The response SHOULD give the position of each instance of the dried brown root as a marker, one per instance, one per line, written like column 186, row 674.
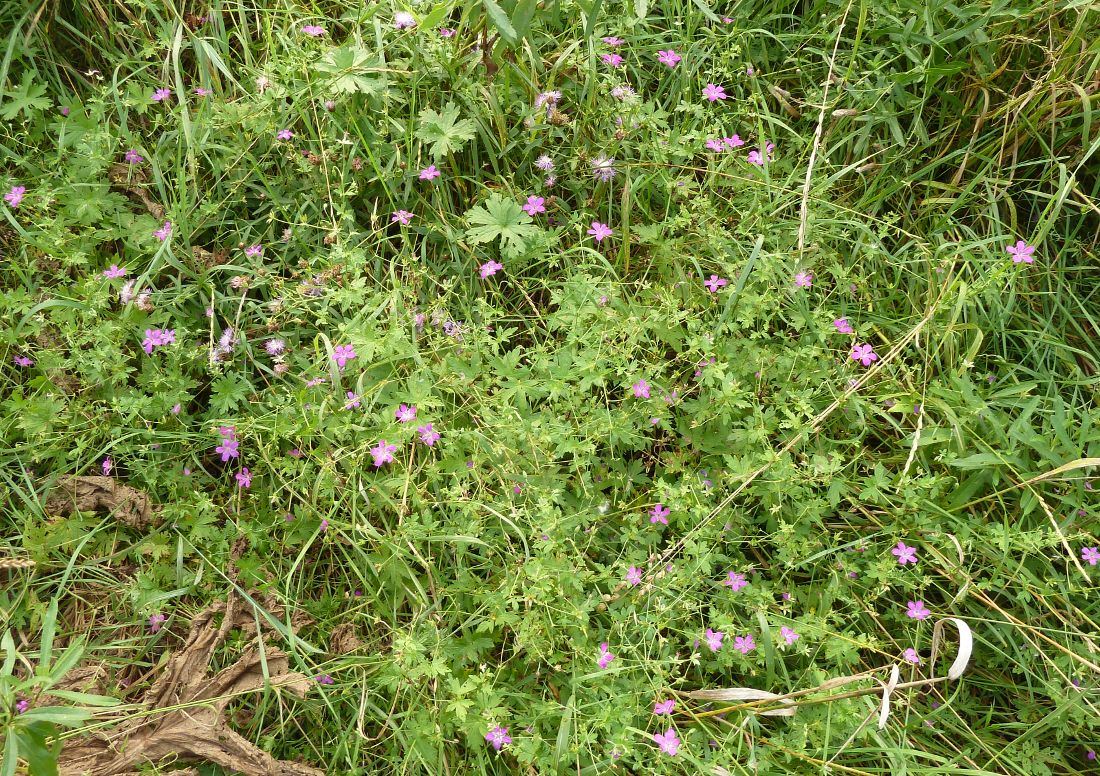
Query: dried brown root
column 107, row 495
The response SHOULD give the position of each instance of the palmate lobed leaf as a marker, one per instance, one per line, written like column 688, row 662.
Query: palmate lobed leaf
column 445, row 132
column 500, row 217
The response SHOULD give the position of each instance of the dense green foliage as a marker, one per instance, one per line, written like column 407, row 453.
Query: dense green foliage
column 580, row 385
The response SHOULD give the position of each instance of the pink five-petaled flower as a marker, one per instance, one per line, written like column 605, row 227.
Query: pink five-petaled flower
column 244, row 478
column 382, row 453
column 659, row 514
column 605, row 657
column 428, row 435
column 842, row 326
column 446, row 32
column 114, row 271
column 498, row 737
column 612, row 59
column 405, row 413
column 353, row 401
column 161, row 94
column 905, row 554
column 634, row 576
column 735, row 581
column 430, row 172
column 23, row 361
column 228, row 448
column 284, row 134
column 664, row 707
column 669, row 58
column 163, row 233
column 535, row 205
column 714, row 92
column 744, row 644
column 254, row 250
column 154, row 338
column 714, row 144
column 916, row 610
column 342, row 354
column 911, row 655
column 714, row 639
column 600, row 231
column 733, row 142
column 668, row 742
column 133, row 157
column 804, row 279
column 404, row 216
column 613, row 41
column 641, row 389
column 865, row 354
column 490, row 268
column 313, row 30
column 789, row 635
column 155, row 621
column 715, row 283
column 15, row 196
column 1090, row 555
column 1021, row 252
column 203, row 92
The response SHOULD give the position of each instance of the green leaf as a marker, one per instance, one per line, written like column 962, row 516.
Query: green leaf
column 503, row 218
column 57, row 715
column 25, row 99
column 45, row 649
column 500, row 20
column 445, row 131
column 348, row 68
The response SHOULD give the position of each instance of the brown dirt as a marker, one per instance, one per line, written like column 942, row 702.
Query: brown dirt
column 100, row 494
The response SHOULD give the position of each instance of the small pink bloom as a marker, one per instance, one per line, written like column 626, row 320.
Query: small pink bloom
column 429, row 173
column 244, row 478
column 382, row 453
column 535, row 205
column 669, row 58
column 916, row 610
column 313, row 30
column 633, row 576
column 489, row 268
column 405, row 413
column 612, row 59
column 253, row 251
column 155, row 622
column 498, row 737
column 865, row 354
column 1021, row 252
column 668, row 742
column 842, row 326
column 284, row 134
column 735, row 581
column 613, row 41
column 446, row 32
column 605, row 656
column 641, row 389
column 15, row 196
column 714, row 639
column 713, row 92
column 659, row 514
column 1090, row 555
column 161, row 94
column 911, row 655
column 715, row 283
column 341, row 354
column 744, row 644
column 114, row 271
column 353, row 401
column 428, row 435
column 403, row 216
column 107, row 465
column 163, row 233
column 403, row 20
column 664, row 707
column 905, row 554
column 600, row 231
column 133, row 157
column 804, row 279
column 789, row 635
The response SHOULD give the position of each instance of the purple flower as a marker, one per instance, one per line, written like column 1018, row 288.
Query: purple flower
column 605, row 657
column 911, row 655
column 714, row 144
column 534, row 206
column 744, row 644
column 668, row 742
column 498, row 737
column 842, row 326
column 641, row 389
column 599, row 231
column 274, row 346
column 22, row 705
column 323, row 679
column 865, row 354
column 244, row 478
column 203, row 92
column 916, row 610
column 446, row 32
column 342, row 354
column 670, row 58
column 162, row 233
column 1090, row 555
column 154, row 338
column 429, row 173
column 659, row 514
column 15, row 196
column 428, row 435
column 804, row 279
column 228, row 449
column 714, row 639
column 161, row 94
column 613, row 41
column 490, row 268
column 114, row 271
column 382, row 453
column 133, row 157
column 905, row 554
column 403, row 20
column 1021, row 252
column 633, row 576
column 713, row 92
column 715, row 283
column 404, row 216
column 603, row 169
column 756, row 158
column 733, row 142
column 664, row 707
column 284, row 134
column 313, row 30
column 789, row 635
column 405, row 413
column 353, row 401
column 612, row 59
column 155, row 621
column 177, row 408
column 735, row 581
column 254, row 250
column 544, row 163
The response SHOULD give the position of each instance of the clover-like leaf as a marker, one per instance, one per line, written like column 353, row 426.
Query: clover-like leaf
column 500, row 217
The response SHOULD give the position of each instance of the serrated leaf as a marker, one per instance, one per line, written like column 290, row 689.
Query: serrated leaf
column 500, row 20
column 503, row 218
column 445, row 131
column 350, row 69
